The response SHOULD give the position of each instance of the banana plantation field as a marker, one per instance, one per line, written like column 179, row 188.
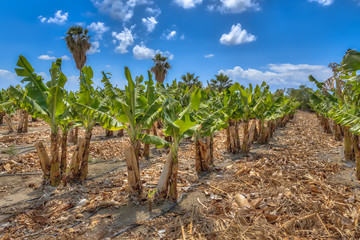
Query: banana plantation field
column 178, row 161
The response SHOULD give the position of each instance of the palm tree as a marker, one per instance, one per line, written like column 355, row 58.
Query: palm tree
column 78, row 42
column 190, row 80
column 160, row 68
column 221, row 82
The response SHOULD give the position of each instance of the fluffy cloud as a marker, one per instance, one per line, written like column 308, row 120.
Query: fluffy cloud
column 65, row 58
column 153, row 11
column 125, row 39
column 236, row 36
column 99, row 28
column 46, row 57
column 142, row 52
column 7, row 77
column 52, row 58
column 235, row 6
column 279, row 75
column 171, row 35
column 150, row 23
column 209, row 55
column 119, row 9
column 94, row 48
column 187, row 3
column 323, row 2
column 59, row 18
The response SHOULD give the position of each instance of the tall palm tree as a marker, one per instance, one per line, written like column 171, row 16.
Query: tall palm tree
column 190, row 80
column 221, row 82
column 78, row 42
column 160, row 68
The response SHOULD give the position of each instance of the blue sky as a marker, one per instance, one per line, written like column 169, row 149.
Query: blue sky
column 277, row 41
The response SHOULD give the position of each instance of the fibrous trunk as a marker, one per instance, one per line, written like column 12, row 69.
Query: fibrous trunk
column 154, row 130
column 337, row 132
column 21, row 123
column 167, row 186
column 84, row 167
column 246, row 146
column 264, row 133
column 133, row 169
column 26, row 122
column 63, row 154
column 357, row 155
column 55, row 165
column 44, row 159
column 8, row 123
column 147, row 146
column 204, row 154
column 120, row 133
column 326, row 125
column 75, row 163
column 233, row 140
column 2, row 114
column 348, row 146
column 109, row 133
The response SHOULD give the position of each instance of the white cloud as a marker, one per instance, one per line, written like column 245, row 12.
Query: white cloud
column 59, row 18
column 7, row 76
column 46, row 57
column 119, row 9
column 209, row 55
column 99, row 28
column 150, row 23
column 235, row 6
column 153, row 11
column 142, row 52
column 323, row 2
column 171, row 35
column 237, row 36
column 182, row 37
column 52, row 58
column 125, row 39
column 279, row 75
column 94, row 48
column 65, row 58
column 187, row 3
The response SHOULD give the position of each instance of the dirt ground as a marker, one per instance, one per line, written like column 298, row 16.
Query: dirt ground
column 295, row 187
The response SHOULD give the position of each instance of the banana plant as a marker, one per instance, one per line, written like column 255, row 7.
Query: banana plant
column 91, row 109
column 46, row 102
column 211, row 118
column 137, row 110
column 7, row 109
column 179, row 123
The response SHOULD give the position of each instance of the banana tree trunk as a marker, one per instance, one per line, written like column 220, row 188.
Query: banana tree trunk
column 263, row 132
column 55, row 165
column 167, row 185
column 233, row 138
column 21, row 121
column 2, row 114
column 74, row 173
column 84, row 167
column 256, row 133
column 326, row 125
column 133, row 169
column 203, row 154
column 8, row 123
column 159, row 123
column 26, row 122
column 337, row 132
column 357, row 155
column 109, row 133
column 246, row 146
column 348, row 145
column 147, row 146
column 76, row 134
column 154, row 130
column 120, row 133
column 44, row 159
column 63, row 164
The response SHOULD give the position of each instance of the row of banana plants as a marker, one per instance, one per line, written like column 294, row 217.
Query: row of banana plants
column 337, row 104
column 183, row 112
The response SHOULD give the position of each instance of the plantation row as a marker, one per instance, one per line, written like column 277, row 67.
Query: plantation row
column 337, row 101
column 183, row 112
